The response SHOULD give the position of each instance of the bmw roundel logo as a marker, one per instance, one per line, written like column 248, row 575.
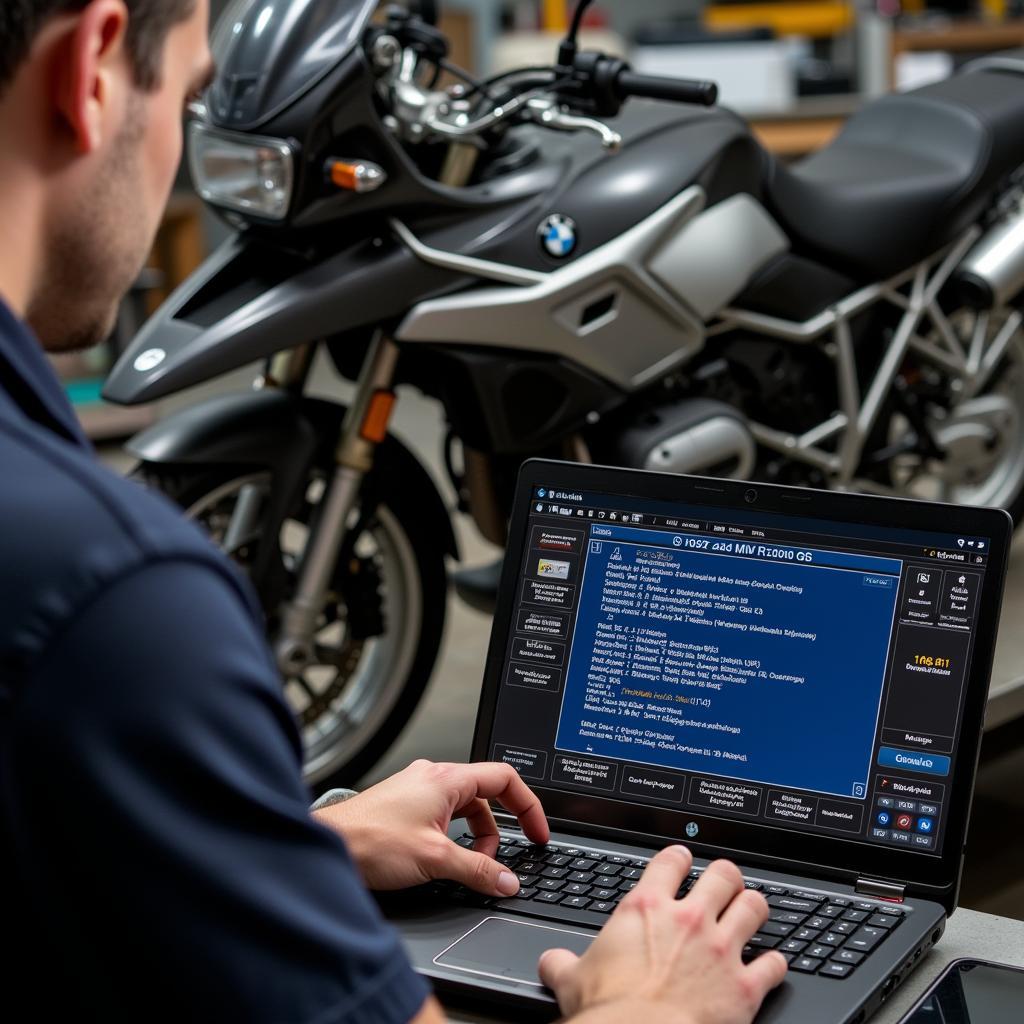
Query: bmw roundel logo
column 558, row 236
column 691, row 829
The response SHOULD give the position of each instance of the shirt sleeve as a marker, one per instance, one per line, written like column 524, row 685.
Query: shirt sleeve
column 165, row 827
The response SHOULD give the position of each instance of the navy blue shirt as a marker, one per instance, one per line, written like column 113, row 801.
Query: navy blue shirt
column 157, row 858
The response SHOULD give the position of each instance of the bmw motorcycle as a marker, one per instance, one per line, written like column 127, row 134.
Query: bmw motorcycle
column 576, row 261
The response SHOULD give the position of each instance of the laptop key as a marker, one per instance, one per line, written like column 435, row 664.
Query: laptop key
column 776, row 890
column 786, row 916
column 631, row 873
column 845, row 927
column 832, row 939
column 525, row 879
column 526, row 893
column 576, row 889
column 883, row 921
column 775, row 928
column 834, row 970
column 812, row 897
column 606, row 881
column 792, row 946
column 576, row 902
column 547, row 896
column 848, row 956
column 855, row 915
column 791, row 903
column 582, row 863
column 865, row 939
column 839, row 901
column 554, row 872
column 806, row 964
column 806, row 934
column 604, row 894
column 616, row 858
column 557, row 860
column 818, row 922
column 864, row 905
column 764, row 941
column 551, row 884
column 747, row 884
column 531, row 867
column 830, row 910
column 627, row 886
column 581, row 876
column 818, row 951
column 603, row 906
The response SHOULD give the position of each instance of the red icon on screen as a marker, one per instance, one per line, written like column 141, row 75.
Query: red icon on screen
column 904, row 821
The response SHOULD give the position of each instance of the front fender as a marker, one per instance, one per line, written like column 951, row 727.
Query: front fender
column 287, row 435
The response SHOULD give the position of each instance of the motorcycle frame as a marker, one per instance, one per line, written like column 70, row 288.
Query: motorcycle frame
column 858, row 414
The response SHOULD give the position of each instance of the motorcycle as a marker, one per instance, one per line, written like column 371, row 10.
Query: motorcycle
column 576, row 261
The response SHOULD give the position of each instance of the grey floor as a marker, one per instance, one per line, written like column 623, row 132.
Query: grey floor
column 443, row 726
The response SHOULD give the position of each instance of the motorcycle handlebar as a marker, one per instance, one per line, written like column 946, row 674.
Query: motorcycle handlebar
column 657, row 87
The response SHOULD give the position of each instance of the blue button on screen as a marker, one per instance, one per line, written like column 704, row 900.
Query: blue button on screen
column 925, row 825
column 914, row 761
column 883, row 817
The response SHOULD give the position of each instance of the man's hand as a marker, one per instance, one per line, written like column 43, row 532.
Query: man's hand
column 670, row 960
column 397, row 831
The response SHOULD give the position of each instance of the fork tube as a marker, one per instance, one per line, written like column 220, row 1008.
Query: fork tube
column 353, row 460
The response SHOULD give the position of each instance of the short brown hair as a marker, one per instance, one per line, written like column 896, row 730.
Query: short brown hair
column 148, row 25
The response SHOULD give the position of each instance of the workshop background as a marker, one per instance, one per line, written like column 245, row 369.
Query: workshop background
column 797, row 70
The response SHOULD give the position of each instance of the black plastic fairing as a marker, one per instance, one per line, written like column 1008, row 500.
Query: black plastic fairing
column 269, row 52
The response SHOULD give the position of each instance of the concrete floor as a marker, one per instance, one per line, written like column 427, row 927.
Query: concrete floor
column 442, row 728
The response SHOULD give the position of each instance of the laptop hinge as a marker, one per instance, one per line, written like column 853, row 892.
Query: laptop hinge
column 882, row 890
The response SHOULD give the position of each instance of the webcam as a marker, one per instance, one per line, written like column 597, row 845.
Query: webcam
column 750, row 496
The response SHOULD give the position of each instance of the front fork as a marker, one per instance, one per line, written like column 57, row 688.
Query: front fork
column 364, row 429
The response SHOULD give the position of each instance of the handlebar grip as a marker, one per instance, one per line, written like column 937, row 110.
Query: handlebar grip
column 657, row 87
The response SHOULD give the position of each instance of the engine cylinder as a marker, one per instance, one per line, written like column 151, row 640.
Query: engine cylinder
column 993, row 272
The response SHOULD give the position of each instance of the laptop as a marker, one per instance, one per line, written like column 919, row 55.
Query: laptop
column 792, row 679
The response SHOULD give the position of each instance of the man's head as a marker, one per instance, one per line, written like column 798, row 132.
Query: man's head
column 91, row 100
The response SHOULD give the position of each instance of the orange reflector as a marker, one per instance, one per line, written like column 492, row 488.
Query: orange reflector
column 378, row 416
column 346, row 176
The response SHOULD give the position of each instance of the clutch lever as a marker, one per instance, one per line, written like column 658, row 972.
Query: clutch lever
column 551, row 114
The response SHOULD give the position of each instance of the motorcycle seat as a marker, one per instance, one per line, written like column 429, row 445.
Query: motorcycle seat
column 907, row 174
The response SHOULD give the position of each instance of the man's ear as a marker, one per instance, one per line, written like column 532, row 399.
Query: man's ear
column 90, row 64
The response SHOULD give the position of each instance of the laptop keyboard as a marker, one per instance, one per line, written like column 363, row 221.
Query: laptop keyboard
column 817, row 933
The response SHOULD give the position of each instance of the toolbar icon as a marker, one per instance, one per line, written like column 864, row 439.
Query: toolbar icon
column 960, row 542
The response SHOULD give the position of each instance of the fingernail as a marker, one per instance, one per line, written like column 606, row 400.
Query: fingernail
column 508, row 884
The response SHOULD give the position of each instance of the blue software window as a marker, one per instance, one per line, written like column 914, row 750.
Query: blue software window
column 742, row 659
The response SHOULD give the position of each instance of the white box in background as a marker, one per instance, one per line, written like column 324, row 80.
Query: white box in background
column 754, row 77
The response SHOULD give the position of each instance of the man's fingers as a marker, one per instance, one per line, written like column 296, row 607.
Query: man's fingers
column 501, row 782
column 768, row 970
column 717, row 887
column 666, row 871
column 482, row 824
column 478, row 872
column 747, row 912
column 554, row 968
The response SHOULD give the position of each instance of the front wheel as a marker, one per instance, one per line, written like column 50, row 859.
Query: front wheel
column 380, row 631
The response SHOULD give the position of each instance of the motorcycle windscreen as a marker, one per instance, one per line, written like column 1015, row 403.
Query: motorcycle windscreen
column 269, row 52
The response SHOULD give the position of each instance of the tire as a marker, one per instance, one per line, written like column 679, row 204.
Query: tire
column 388, row 673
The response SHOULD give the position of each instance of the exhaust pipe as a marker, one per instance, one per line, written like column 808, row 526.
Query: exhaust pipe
column 992, row 274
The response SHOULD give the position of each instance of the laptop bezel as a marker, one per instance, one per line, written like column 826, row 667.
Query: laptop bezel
column 589, row 814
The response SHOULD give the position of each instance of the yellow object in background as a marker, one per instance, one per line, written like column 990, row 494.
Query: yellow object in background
column 554, row 16
column 815, row 18
column 994, row 9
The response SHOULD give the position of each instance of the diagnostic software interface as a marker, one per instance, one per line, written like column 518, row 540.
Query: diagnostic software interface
column 785, row 671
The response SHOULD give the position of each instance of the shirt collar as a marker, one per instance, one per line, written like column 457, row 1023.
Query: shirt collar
column 40, row 396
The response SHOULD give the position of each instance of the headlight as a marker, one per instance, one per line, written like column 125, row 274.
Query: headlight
column 246, row 173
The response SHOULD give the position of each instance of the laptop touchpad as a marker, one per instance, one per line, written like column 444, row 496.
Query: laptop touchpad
column 500, row 948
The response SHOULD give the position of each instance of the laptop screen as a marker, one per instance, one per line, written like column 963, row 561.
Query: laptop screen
column 788, row 672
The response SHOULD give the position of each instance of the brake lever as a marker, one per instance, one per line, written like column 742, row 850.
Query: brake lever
column 548, row 112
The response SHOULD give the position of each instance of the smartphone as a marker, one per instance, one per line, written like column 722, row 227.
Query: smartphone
column 972, row 992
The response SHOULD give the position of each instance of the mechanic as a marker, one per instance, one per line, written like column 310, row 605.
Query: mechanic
column 158, row 855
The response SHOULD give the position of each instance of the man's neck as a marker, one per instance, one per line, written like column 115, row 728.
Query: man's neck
column 21, row 228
